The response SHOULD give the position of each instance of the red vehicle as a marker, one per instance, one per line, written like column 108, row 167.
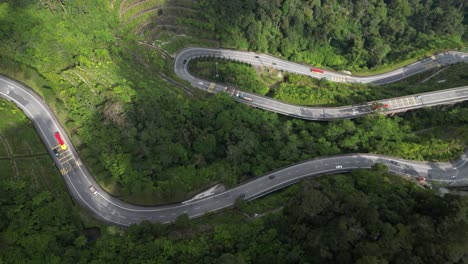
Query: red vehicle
column 421, row 179
column 229, row 90
column 316, row 70
column 60, row 140
column 378, row 106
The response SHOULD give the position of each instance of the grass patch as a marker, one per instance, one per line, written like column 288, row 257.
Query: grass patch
column 262, row 206
column 174, row 43
column 244, row 76
column 304, row 90
column 17, row 132
column 3, row 149
column 393, row 66
column 271, row 202
column 446, row 132
column 38, row 172
column 449, row 77
column 6, row 170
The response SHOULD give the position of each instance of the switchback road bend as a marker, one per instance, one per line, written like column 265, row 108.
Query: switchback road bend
column 84, row 189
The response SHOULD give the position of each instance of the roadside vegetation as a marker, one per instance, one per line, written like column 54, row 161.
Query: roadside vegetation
column 99, row 65
column 122, row 117
column 351, row 35
column 37, row 215
column 241, row 75
column 304, row 90
column 365, row 216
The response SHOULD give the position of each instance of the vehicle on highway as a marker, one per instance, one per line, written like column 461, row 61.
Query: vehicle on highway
column 229, row 90
column 56, row 153
column 339, row 166
column 242, row 196
column 393, row 162
column 200, row 83
column 60, row 141
column 274, row 63
column 242, row 96
column 378, row 106
column 271, row 177
column 316, row 70
column 185, row 61
column 453, row 176
column 93, row 190
column 418, row 97
column 256, row 57
column 421, row 179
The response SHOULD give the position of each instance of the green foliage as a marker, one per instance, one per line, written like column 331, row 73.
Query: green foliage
column 303, row 90
column 36, row 217
column 366, row 216
column 241, row 75
column 147, row 142
column 338, row 34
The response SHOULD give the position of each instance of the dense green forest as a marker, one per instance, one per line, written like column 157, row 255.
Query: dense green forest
column 367, row 216
column 149, row 142
column 338, row 33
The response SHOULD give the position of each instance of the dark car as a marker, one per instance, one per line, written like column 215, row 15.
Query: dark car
column 56, row 153
column 242, row 195
column 256, row 57
column 271, row 177
column 393, row 162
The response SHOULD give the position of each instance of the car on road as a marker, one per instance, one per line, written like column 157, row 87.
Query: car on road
column 93, row 190
column 229, row 90
column 256, row 57
column 418, row 96
column 339, row 166
column 393, row 162
column 56, row 153
column 453, row 177
column 200, row 83
column 316, row 70
column 185, row 61
column 274, row 63
column 271, row 177
column 242, row 196
column 378, row 106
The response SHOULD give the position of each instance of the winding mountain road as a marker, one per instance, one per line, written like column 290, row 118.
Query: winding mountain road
column 399, row 104
column 111, row 210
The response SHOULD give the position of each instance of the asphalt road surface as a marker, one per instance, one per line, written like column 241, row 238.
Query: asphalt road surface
column 113, row 211
column 326, row 113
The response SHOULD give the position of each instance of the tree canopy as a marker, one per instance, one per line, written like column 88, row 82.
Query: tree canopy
column 338, row 33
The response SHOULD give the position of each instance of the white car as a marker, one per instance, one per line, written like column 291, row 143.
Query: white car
column 339, row 166
column 200, row 83
column 93, row 190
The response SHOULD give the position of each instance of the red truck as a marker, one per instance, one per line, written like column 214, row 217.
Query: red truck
column 60, row 140
column 378, row 106
column 316, row 70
